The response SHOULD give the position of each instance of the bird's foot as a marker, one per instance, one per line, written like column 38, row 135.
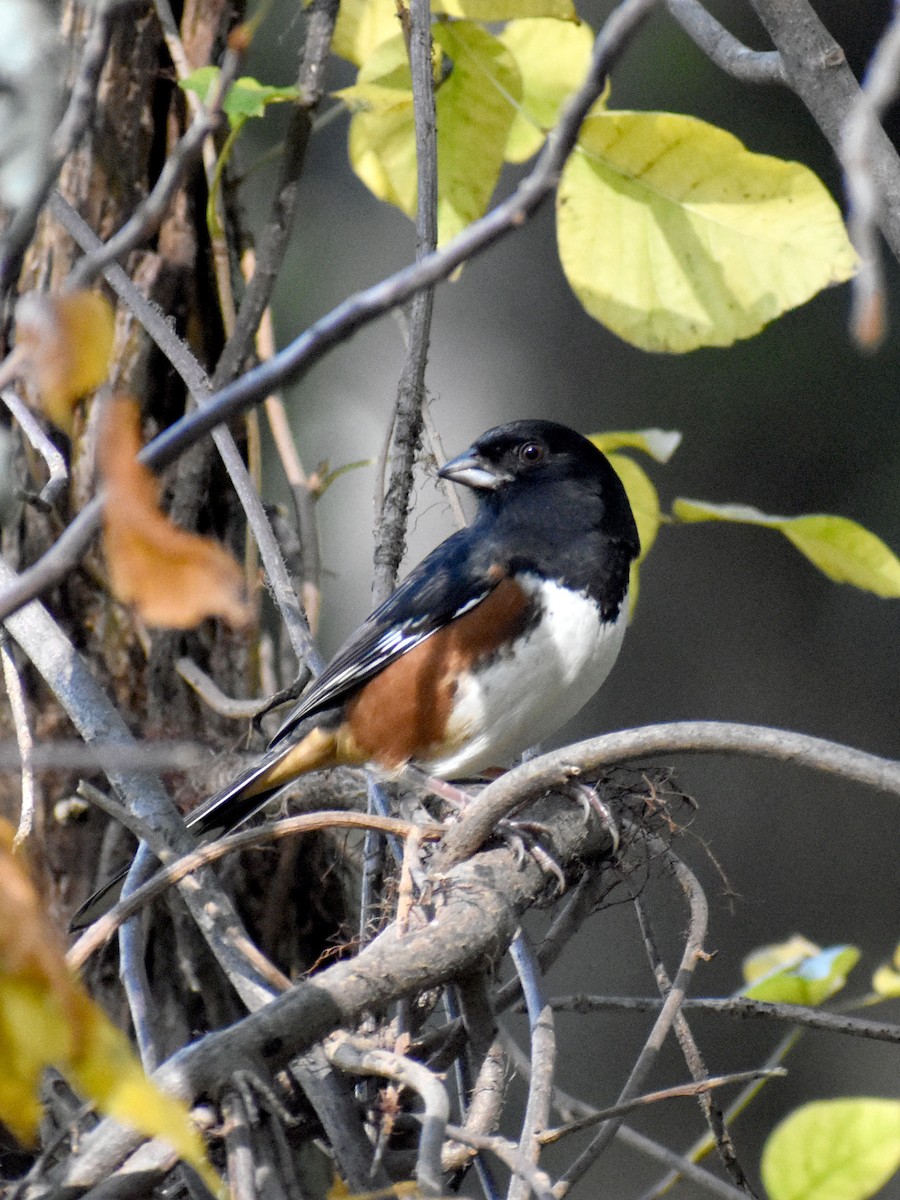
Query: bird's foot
column 522, row 839
column 587, row 797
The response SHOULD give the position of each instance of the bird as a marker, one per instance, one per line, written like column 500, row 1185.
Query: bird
column 492, row 643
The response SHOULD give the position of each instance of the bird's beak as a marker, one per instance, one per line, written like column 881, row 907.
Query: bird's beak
column 472, row 471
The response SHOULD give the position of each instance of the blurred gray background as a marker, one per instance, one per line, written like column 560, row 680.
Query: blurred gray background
column 732, row 623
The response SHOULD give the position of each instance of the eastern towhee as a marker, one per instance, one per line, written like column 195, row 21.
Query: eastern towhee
column 488, row 646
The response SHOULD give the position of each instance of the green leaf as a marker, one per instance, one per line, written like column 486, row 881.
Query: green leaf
column 660, row 444
column 362, row 25
column 202, row 82
column 474, row 113
column 474, row 116
column 553, row 59
column 246, row 97
column 675, row 236
column 833, row 1150
column 839, row 547
column 810, row 979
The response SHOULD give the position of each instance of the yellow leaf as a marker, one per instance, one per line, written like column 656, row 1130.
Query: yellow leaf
column 766, row 959
column 840, row 548
column 660, row 444
column 507, row 10
column 809, row 976
column 474, row 112
column 362, row 25
column 843, row 1149
column 174, row 578
column 644, row 500
column 886, row 980
column 67, row 342
column 105, row 1069
column 47, row 1019
column 553, row 58
column 675, row 236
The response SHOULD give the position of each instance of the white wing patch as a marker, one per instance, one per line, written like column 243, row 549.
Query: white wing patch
column 558, row 665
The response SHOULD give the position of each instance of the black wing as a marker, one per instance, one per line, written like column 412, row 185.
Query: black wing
column 451, row 580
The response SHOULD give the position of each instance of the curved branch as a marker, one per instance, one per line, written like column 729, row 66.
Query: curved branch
column 723, row 48
column 678, row 737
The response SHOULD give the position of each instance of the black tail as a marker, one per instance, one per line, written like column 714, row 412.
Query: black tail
column 215, row 817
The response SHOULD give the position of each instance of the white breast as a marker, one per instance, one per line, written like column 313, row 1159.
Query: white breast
column 517, row 702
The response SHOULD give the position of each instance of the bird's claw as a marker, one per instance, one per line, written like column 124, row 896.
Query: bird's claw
column 521, row 837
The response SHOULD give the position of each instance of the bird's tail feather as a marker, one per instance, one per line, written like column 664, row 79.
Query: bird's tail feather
column 218, row 815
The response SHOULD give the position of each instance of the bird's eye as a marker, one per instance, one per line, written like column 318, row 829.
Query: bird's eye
column 531, row 453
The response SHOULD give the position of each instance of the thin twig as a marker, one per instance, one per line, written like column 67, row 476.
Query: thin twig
column 436, row 446
column 213, row 696
column 76, row 756
column 691, row 954
column 698, row 1175
column 509, row 1154
column 405, row 427
column 56, row 464
column 102, row 930
column 706, row 1143
column 357, row 1056
column 302, row 491
column 741, row 1006
column 690, row 1050
column 723, row 48
column 275, row 237
column 543, row 1060
column 571, row 1109
column 18, row 707
column 679, row 1092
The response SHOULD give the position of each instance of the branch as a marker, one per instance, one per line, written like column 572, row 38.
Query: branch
column 357, row 1056
column 723, row 48
column 195, row 379
column 816, row 69
column 543, row 1060
column 712, row 1113
column 56, row 464
column 405, row 433
column 668, row 1014
column 473, row 923
column 861, row 134
column 279, row 225
column 741, row 1006
column 679, row 737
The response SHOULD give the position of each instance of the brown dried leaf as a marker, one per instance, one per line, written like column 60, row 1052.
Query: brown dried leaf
column 173, row 578
column 67, row 344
